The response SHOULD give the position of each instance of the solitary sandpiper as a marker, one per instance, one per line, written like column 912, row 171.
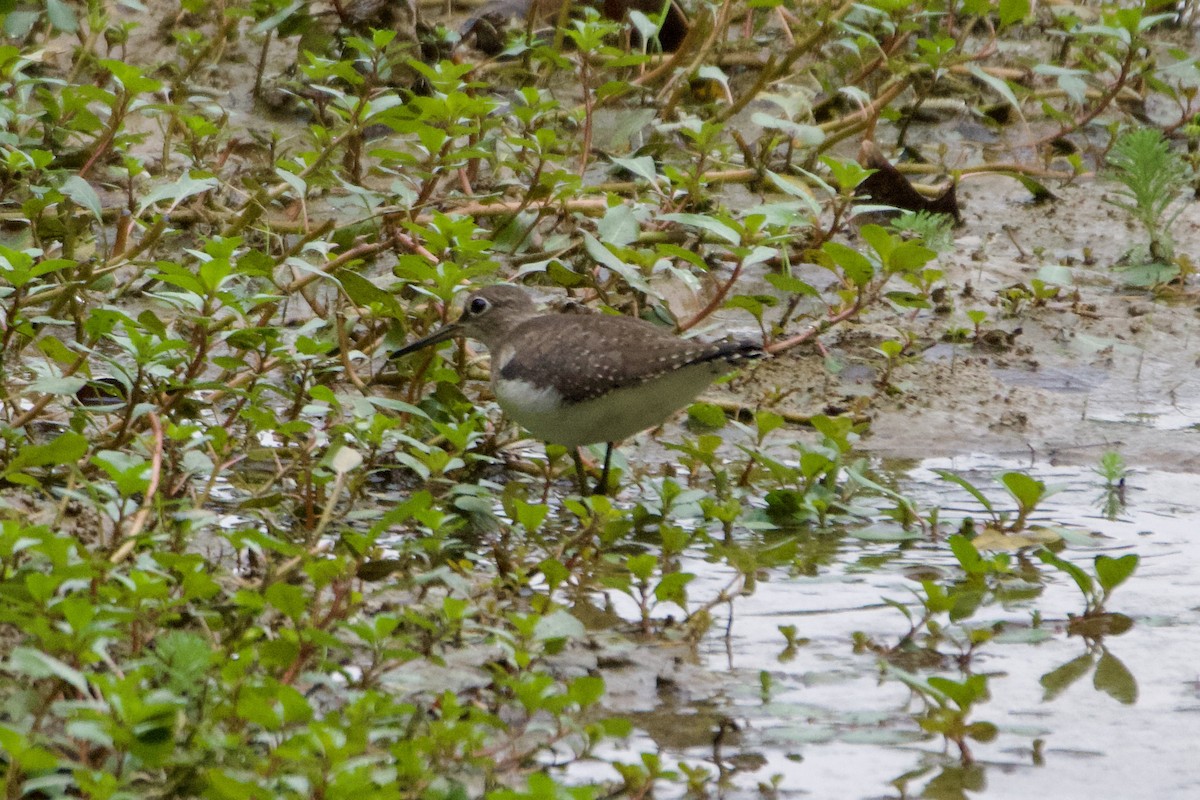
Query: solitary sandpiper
column 578, row 379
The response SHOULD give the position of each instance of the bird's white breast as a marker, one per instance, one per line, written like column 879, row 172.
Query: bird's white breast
column 610, row 417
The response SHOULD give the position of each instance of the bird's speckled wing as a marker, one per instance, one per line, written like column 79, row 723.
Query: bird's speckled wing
column 586, row 356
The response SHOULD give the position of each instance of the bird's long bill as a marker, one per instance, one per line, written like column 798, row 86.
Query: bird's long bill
column 440, row 335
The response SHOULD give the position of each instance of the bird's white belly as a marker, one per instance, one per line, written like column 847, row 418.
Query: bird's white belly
column 608, row 418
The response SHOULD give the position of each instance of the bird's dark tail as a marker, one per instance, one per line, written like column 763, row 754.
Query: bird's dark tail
column 733, row 353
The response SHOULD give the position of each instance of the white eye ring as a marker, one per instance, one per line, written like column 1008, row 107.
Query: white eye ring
column 478, row 306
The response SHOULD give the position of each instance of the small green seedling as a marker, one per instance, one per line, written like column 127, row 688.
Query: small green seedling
column 1152, row 177
column 1111, row 468
column 977, row 317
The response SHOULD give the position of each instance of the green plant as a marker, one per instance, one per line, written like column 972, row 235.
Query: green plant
column 894, row 353
column 935, row 231
column 949, row 705
column 1096, row 589
column 1152, row 177
column 1113, row 470
column 1027, row 492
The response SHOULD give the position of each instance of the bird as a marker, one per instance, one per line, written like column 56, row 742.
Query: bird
column 581, row 378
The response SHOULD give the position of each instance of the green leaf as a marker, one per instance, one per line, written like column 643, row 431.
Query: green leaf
column 1027, row 491
column 365, row 293
column 965, row 693
column 83, row 194
column 880, row 240
column 222, row 785
column 969, row 487
column 183, row 188
column 640, row 166
column 715, row 227
column 706, row 414
column 288, row 598
column 998, row 85
column 186, row 655
column 619, row 225
column 966, row 553
column 605, row 258
column 847, row 174
column 672, row 588
column 641, row 566
column 909, row 257
column 790, row 284
column 560, row 624
column 61, row 16
column 65, row 449
column 982, row 731
column 1081, row 578
column 1147, row 276
column 1112, row 572
column 131, row 77
column 586, row 690
column 58, row 385
column 38, row 665
column 1013, row 11
column 856, row 267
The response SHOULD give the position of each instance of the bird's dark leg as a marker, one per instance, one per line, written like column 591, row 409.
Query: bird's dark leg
column 580, row 471
column 602, row 486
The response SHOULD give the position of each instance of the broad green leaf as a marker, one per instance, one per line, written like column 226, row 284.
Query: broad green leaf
column 640, row 166
column 1112, row 572
column 1081, row 578
column 854, row 265
column 672, row 588
column 61, row 16
column 1013, row 11
column 67, row 448
column 999, row 85
column 82, row 193
column 963, row 483
column 605, row 258
column 365, row 293
column 1027, row 491
column 58, row 385
column 586, row 690
column 966, row 553
column 706, row 223
column 183, row 188
column 619, row 225
column 38, row 665
column 560, row 624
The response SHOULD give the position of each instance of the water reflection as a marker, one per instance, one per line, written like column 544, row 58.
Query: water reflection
column 798, row 710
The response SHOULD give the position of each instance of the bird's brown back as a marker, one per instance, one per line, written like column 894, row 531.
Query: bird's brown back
column 586, row 356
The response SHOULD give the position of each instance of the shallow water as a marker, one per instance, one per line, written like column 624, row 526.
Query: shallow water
column 831, row 725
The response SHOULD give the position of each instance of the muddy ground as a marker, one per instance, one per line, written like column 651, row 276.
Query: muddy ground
column 1104, row 367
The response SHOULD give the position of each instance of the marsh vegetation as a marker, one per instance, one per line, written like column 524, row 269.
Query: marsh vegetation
column 941, row 543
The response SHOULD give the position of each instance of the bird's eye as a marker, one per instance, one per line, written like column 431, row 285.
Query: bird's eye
column 477, row 306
